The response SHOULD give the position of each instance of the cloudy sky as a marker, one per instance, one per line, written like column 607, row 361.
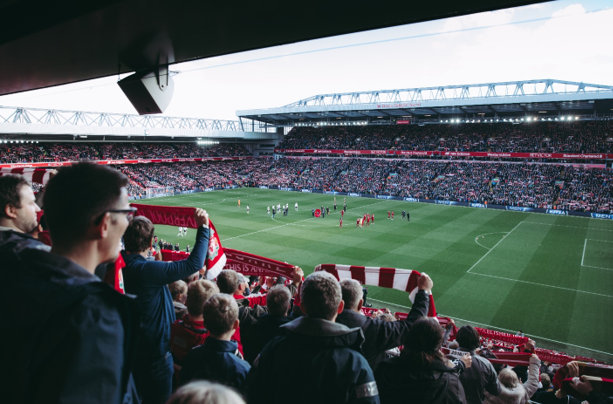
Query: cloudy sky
column 566, row 40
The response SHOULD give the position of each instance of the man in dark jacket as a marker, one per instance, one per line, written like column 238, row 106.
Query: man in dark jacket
column 380, row 335
column 217, row 360
column 147, row 280
column 317, row 357
column 481, row 375
column 72, row 339
column 256, row 336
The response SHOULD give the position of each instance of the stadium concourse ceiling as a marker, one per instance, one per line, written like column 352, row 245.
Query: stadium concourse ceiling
column 46, row 43
column 528, row 99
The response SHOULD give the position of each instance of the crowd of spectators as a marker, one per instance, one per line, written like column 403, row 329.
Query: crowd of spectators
column 306, row 340
column 541, row 137
column 546, row 186
column 58, row 152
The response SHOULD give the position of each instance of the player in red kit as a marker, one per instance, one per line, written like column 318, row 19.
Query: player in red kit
column 340, row 222
column 392, row 215
column 373, row 218
column 367, row 219
column 357, row 223
column 388, row 214
column 342, row 213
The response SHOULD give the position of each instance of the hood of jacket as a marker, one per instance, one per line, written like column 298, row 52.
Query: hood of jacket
column 324, row 333
column 422, row 385
column 507, row 396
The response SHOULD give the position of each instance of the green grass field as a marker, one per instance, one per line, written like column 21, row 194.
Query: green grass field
column 550, row 276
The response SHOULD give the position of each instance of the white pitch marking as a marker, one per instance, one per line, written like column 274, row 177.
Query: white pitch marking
column 542, row 284
column 502, row 329
column 572, row 227
column 583, row 256
column 487, row 234
column 491, row 249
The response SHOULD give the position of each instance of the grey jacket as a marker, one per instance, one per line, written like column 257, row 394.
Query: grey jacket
column 480, row 377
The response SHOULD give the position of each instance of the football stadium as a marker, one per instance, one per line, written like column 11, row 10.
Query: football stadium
column 435, row 243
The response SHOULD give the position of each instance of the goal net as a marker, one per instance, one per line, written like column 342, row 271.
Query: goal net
column 158, row 192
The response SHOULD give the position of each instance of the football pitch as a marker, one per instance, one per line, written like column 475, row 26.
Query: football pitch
column 549, row 276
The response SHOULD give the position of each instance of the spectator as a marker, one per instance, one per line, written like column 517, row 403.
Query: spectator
column 148, row 279
column 205, row 393
column 316, row 350
column 18, row 204
column 267, row 326
column 512, row 391
column 218, row 358
column 381, row 335
column 190, row 331
column 178, row 292
column 74, row 340
column 420, row 374
column 481, row 375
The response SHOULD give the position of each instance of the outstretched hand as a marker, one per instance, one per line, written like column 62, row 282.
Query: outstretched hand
column 202, row 218
column 424, row 282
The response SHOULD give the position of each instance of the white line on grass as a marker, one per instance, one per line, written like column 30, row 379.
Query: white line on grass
column 602, row 241
column 572, row 227
column 542, row 284
column 605, row 269
column 502, row 329
column 491, row 249
column 583, row 256
column 487, row 234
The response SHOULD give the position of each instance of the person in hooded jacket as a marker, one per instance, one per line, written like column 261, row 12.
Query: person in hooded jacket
column 69, row 337
column 317, row 360
column 380, row 335
column 421, row 373
column 512, row 390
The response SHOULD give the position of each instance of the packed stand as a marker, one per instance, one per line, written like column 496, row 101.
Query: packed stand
column 213, row 336
column 11, row 153
column 536, row 137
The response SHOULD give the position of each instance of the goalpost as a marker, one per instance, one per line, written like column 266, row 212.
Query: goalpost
column 158, row 192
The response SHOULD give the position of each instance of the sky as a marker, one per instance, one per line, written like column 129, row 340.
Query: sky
column 565, row 40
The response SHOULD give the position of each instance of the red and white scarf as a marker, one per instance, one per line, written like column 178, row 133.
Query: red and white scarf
column 393, row 278
column 37, row 175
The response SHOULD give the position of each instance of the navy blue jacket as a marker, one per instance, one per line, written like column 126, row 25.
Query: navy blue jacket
column 147, row 280
column 67, row 336
column 319, row 361
column 379, row 335
column 216, row 361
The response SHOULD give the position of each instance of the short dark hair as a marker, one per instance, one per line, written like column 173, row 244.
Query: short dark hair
column 77, row 196
column 277, row 300
column 10, row 185
column 138, row 235
column 219, row 313
column 320, row 295
column 468, row 337
column 228, row 281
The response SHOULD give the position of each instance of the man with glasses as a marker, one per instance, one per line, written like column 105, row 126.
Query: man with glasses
column 147, row 280
column 69, row 336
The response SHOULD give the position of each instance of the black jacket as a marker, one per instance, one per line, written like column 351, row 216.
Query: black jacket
column 67, row 337
column 379, row 335
column 400, row 382
column 317, row 361
column 481, row 376
column 256, row 336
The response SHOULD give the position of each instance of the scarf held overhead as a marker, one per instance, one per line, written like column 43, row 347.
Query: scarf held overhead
column 184, row 217
column 393, row 278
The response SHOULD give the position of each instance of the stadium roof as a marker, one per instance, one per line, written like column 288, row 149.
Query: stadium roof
column 517, row 98
column 45, row 43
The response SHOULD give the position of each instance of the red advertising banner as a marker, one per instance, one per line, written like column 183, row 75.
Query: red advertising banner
column 133, row 161
column 403, row 122
column 590, row 156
